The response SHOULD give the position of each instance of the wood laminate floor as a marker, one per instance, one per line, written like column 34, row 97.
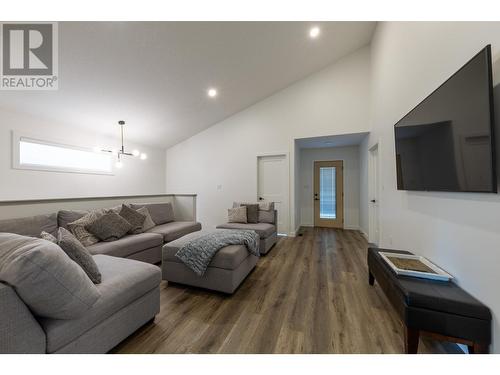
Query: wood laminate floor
column 309, row 294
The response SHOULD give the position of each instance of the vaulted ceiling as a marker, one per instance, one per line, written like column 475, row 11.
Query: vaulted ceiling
column 155, row 75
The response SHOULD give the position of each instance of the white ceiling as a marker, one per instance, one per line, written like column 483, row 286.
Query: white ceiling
column 342, row 140
column 154, row 75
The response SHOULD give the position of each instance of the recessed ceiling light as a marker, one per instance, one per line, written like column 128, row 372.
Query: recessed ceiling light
column 314, row 32
column 212, row 93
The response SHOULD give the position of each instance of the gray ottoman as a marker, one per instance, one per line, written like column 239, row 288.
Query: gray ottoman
column 225, row 273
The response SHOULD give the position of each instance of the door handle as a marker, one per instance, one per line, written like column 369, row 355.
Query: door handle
column 261, row 199
column 373, row 201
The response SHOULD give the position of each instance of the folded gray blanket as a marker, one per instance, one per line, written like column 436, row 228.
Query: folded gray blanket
column 197, row 253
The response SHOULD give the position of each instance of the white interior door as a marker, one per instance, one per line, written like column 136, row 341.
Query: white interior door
column 272, row 186
column 373, row 196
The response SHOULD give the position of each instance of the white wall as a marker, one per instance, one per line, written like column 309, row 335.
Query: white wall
column 459, row 231
column 332, row 101
column 350, row 156
column 135, row 178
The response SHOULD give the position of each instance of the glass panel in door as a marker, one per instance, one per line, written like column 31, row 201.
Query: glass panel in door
column 327, row 196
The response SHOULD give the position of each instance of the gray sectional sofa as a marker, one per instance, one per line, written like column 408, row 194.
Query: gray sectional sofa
column 145, row 247
column 129, row 291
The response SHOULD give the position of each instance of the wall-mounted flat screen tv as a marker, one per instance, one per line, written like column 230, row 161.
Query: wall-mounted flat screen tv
column 446, row 143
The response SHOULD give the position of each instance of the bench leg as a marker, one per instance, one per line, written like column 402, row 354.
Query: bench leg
column 371, row 278
column 478, row 348
column 411, row 340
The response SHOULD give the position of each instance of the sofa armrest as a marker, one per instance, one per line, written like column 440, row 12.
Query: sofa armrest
column 19, row 330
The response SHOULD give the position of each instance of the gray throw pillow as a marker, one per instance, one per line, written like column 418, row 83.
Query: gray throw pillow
column 237, row 215
column 148, row 221
column 252, row 212
column 109, row 227
column 45, row 278
column 161, row 213
column 79, row 254
column 135, row 219
column 48, row 237
column 30, row 226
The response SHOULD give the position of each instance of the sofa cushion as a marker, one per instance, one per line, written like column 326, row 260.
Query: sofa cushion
column 127, row 245
column 161, row 213
column 79, row 254
column 123, row 282
column 45, row 278
column 264, row 230
column 64, row 217
column 229, row 257
column 109, row 227
column 174, row 230
column 30, row 226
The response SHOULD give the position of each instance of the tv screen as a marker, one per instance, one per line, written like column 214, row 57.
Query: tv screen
column 446, row 143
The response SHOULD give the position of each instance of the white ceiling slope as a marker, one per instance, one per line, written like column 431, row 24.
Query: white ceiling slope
column 154, row 75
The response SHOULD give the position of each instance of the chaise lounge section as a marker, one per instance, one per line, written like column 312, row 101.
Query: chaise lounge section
column 266, row 228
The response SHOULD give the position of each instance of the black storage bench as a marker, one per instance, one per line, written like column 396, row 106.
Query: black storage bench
column 441, row 310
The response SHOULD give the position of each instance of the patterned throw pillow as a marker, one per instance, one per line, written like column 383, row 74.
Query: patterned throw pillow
column 135, row 219
column 79, row 228
column 48, row 237
column 79, row 254
column 237, row 215
column 148, row 222
column 109, row 227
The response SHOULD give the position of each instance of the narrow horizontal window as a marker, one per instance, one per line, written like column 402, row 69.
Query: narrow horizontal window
column 36, row 154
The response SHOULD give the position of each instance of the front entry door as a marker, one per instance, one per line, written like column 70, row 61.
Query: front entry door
column 328, row 194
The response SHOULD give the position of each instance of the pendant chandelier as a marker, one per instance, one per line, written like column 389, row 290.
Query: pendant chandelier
column 120, row 153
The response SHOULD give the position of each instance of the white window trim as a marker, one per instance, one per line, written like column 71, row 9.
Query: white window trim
column 16, row 164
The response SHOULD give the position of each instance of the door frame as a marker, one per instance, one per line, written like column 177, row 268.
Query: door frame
column 341, row 226
column 287, row 188
column 371, row 187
